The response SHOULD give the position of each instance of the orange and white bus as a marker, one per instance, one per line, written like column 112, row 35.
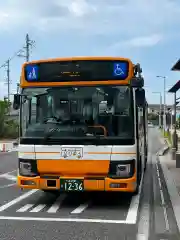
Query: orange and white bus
column 83, row 125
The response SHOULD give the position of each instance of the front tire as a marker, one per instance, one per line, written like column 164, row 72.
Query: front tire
column 139, row 176
column 146, row 158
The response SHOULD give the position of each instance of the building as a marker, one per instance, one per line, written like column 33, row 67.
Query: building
column 155, row 108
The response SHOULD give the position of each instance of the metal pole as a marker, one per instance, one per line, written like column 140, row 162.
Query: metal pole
column 174, row 136
column 8, row 83
column 160, row 111
column 164, row 105
column 27, row 47
column 160, row 108
column 8, row 80
column 29, row 43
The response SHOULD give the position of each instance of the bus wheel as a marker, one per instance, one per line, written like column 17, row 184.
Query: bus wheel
column 145, row 164
column 146, row 158
column 139, row 176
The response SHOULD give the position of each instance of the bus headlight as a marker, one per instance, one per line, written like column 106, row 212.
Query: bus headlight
column 27, row 168
column 123, row 170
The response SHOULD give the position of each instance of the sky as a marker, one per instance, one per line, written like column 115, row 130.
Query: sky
column 145, row 31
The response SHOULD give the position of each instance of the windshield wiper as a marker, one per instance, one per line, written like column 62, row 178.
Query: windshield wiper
column 50, row 118
column 49, row 134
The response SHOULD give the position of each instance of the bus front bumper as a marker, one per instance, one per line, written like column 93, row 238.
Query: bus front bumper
column 95, row 184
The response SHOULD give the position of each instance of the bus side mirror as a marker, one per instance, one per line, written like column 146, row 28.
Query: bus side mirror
column 140, row 97
column 17, row 101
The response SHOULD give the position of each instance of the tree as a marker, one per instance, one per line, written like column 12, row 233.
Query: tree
column 152, row 116
column 3, row 112
column 8, row 128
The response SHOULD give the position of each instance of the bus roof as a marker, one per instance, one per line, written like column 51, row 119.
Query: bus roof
column 78, row 58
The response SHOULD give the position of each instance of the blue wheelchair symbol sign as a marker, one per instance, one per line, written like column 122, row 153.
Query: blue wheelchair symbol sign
column 120, row 69
column 32, row 72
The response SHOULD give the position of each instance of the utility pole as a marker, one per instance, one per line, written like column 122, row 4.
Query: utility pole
column 8, row 80
column 7, row 65
column 164, row 115
column 160, row 108
column 26, row 50
column 29, row 44
column 27, row 47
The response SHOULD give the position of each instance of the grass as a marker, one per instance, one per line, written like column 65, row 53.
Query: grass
column 166, row 135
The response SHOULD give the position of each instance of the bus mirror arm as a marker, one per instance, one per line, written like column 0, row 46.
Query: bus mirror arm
column 17, row 100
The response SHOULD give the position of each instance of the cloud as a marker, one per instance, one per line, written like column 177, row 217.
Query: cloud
column 131, row 18
column 147, row 41
column 80, row 8
column 138, row 42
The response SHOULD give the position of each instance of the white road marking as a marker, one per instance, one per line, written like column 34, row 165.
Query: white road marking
column 143, row 226
column 38, row 208
column 10, row 177
column 54, row 208
column 172, row 189
column 25, row 208
column 133, row 209
column 1, row 175
column 46, row 219
column 159, row 180
column 162, row 199
column 16, row 200
column 80, row 209
column 8, row 185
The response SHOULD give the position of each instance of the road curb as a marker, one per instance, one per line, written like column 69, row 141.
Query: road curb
column 165, row 148
column 170, row 182
column 172, row 190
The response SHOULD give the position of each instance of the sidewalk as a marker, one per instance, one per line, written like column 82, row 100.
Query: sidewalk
column 172, row 178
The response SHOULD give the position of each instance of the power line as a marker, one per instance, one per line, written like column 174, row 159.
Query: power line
column 23, row 52
column 29, row 44
column 7, row 65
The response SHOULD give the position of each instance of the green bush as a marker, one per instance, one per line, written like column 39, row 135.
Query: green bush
column 167, row 135
column 8, row 128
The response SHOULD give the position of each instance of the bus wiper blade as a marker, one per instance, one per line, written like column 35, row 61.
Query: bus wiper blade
column 57, row 120
column 49, row 134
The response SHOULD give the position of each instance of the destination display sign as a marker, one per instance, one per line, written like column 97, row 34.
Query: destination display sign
column 79, row 70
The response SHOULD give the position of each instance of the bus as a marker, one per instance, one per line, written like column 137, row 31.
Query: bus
column 83, row 125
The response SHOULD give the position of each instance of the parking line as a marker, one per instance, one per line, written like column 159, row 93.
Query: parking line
column 83, row 220
column 80, row 209
column 9, row 177
column 1, row 175
column 38, row 208
column 57, row 204
column 16, row 200
column 25, row 208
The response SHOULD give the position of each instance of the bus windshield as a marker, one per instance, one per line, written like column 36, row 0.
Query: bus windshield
column 78, row 114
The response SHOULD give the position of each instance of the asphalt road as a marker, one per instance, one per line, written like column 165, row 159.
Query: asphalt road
column 36, row 215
